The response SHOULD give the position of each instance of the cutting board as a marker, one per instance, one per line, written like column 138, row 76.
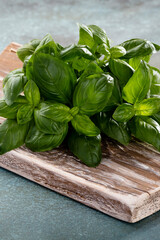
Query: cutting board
column 126, row 185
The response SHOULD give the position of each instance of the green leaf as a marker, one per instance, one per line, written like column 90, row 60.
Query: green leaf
column 55, row 79
column 25, row 114
column 124, row 112
column 47, row 45
column 13, row 85
column 56, row 111
column 138, row 85
column 137, row 47
column 156, row 117
column 146, row 129
column 147, row 107
column 69, row 53
column 32, row 93
column 99, row 35
column 155, row 85
column 92, row 68
column 122, row 70
column 117, row 51
column 29, row 68
column 157, row 47
column 92, row 93
column 113, row 129
column 134, row 62
column 103, row 49
column 83, row 125
column 47, row 125
column 79, row 63
column 27, row 49
column 87, row 149
column 7, row 111
column 38, row 141
column 12, row 135
column 85, row 36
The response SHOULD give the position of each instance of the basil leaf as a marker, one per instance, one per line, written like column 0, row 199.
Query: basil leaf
column 134, row 62
column 156, row 117
column 47, row 125
column 56, row 111
column 7, row 111
column 47, row 45
column 92, row 93
column 117, row 52
column 29, row 68
column 124, row 112
column 138, row 85
column 32, row 93
column 122, row 70
column 25, row 114
column 13, row 85
column 155, row 85
column 157, row 47
column 83, row 124
column 85, row 36
column 146, row 129
column 113, row 129
column 104, row 49
column 54, row 78
column 92, row 68
column 12, row 74
column 137, row 47
column 79, row 63
column 27, row 49
column 87, row 149
column 12, row 135
column 147, row 107
column 99, row 35
column 69, row 53
column 38, row 141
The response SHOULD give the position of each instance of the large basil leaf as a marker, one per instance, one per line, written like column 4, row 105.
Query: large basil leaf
column 92, row 93
column 113, row 129
column 32, row 93
column 47, row 125
column 13, row 85
column 147, row 107
column 124, row 112
column 122, row 70
column 27, row 49
column 38, row 141
column 69, row 53
column 155, row 85
column 7, row 111
column 85, row 36
column 137, row 47
column 117, row 52
column 138, row 85
column 146, row 129
column 54, row 78
column 87, row 149
column 99, row 35
column 25, row 114
column 56, row 111
column 82, row 124
column 12, row 135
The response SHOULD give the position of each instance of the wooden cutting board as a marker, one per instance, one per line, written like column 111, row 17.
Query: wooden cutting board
column 126, row 185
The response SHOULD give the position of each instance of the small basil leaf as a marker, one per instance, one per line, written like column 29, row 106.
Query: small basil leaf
column 55, row 79
column 92, row 68
column 38, row 141
column 47, row 125
column 27, row 49
column 103, row 49
column 7, row 111
column 134, row 62
column 124, row 112
column 113, row 129
column 146, row 129
column 47, row 45
column 29, row 68
column 12, row 135
column 87, row 149
column 157, row 47
column 85, row 36
column 138, row 85
column 99, row 35
column 69, row 53
column 56, row 111
column 79, row 63
column 82, row 124
column 155, row 85
column 92, row 93
column 122, row 70
column 117, row 51
column 147, row 107
column 25, row 114
column 32, row 93
column 14, row 73
column 13, row 85
column 137, row 47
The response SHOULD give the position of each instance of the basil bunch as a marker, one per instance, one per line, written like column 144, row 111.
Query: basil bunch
column 77, row 92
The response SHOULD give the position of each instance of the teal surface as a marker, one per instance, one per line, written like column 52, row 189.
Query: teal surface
column 27, row 210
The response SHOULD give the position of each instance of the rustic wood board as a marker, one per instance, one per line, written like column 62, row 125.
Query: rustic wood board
column 126, row 185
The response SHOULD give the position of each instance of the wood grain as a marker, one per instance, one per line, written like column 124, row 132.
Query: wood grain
column 126, row 185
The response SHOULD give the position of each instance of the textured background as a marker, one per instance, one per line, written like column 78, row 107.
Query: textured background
column 27, row 210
